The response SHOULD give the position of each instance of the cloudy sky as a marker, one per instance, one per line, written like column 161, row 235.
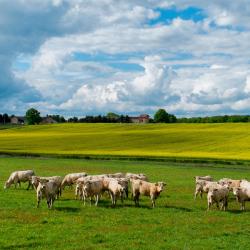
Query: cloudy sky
column 81, row 57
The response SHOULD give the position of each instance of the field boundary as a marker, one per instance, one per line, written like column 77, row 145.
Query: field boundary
column 129, row 158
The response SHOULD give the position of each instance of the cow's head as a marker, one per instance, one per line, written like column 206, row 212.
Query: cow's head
column 160, row 186
column 6, row 185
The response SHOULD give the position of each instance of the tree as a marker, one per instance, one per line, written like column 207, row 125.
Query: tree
column 161, row 116
column 112, row 116
column 6, row 118
column 33, row 116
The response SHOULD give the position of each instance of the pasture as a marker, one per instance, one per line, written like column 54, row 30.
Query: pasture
column 177, row 222
column 185, row 141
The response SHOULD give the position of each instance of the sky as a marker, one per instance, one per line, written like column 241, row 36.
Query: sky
column 83, row 57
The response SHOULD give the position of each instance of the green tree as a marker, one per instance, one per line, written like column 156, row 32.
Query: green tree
column 33, row 116
column 112, row 116
column 161, row 116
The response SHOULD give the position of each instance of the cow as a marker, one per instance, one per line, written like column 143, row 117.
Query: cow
column 202, row 186
column 81, row 181
column 18, row 177
column 92, row 188
column 204, row 178
column 132, row 176
column 35, row 180
column 242, row 195
column 70, row 179
column 47, row 189
column 218, row 195
column 124, row 182
column 116, row 190
column 153, row 190
column 229, row 182
column 116, row 175
column 245, row 184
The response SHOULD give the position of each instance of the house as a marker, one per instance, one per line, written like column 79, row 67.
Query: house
column 48, row 120
column 17, row 119
column 144, row 118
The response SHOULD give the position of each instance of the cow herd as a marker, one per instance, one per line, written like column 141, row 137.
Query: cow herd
column 88, row 186
column 117, row 186
column 218, row 191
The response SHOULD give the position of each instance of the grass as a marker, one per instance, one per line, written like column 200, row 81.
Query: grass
column 177, row 222
column 184, row 141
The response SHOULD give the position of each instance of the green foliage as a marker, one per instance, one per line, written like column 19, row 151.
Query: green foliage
column 161, row 116
column 111, row 115
column 177, row 222
column 215, row 119
column 33, row 116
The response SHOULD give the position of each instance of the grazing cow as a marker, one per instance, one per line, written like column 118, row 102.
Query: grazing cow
column 242, row 195
column 47, row 189
column 116, row 175
column 132, row 176
column 146, row 188
column 229, row 182
column 70, row 179
column 18, row 177
column 116, row 190
column 218, row 195
column 205, row 178
column 92, row 188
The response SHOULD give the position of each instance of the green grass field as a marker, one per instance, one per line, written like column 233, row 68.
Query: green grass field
column 209, row 141
column 177, row 222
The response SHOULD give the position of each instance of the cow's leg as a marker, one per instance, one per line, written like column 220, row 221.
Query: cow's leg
column 208, row 206
column 153, row 201
column 97, row 199
column 38, row 202
column 226, row 204
column 29, row 184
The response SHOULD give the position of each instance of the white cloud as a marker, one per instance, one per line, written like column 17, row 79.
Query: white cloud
column 188, row 66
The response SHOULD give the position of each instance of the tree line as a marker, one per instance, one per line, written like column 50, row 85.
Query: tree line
column 32, row 116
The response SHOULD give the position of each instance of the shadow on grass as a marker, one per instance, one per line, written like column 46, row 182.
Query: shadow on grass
column 185, row 209
column 67, row 209
column 23, row 246
column 236, row 211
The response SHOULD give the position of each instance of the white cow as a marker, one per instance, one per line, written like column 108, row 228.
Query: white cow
column 218, row 195
column 47, row 189
column 70, row 179
column 18, row 177
column 146, row 188
column 242, row 195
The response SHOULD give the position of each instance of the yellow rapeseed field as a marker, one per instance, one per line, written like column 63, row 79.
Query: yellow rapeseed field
column 216, row 141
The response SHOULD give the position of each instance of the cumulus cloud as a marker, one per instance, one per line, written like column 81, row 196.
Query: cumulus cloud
column 129, row 63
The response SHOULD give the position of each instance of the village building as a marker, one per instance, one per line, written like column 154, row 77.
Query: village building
column 48, row 120
column 17, row 119
column 143, row 118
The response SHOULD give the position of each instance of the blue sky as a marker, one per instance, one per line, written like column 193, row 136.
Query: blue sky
column 72, row 58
